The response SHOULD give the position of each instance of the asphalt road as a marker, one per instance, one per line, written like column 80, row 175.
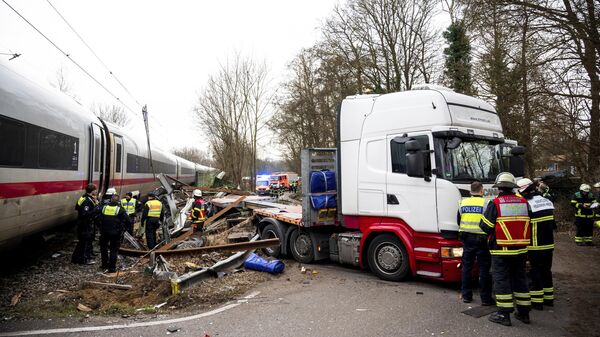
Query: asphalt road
column 339, row 301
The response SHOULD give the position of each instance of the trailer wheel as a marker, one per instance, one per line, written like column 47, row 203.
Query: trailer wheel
column 270, row 232
column 302, row 247
column 388, row 258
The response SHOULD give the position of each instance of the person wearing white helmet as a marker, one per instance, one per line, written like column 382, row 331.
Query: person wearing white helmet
column 541, row 248
column 108, row 196
column 506, row 222
column 582, row 201
column 198, row 214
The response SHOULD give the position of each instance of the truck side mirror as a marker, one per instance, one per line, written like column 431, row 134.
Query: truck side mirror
column 415, row 165
column 516, row 163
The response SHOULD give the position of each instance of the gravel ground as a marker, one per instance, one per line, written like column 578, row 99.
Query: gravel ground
column 51, row 287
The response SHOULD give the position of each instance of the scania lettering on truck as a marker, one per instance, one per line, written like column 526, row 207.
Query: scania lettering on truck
column 403, row 162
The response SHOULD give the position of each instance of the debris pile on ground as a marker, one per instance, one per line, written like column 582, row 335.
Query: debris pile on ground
column 201, row 269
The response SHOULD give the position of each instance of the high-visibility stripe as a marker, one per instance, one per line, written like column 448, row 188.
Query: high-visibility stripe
column 80, row 201
column 521, row 295
column 544, row 247
column 548, row 289
column 523, row 303
column 504, row 297
column 488, row 222
column 536, row 292
column 505, row 230
column 578, row 239
column 534, row 238
column 543, row 218
column 506, row 251
column 505, row 305
column 548, row 297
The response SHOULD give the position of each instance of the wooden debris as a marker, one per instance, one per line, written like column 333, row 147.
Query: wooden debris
column 192, row 265
column 15, row 299
column 210, row 220
column 239, row 237
column 83, row 308
column 109, row 285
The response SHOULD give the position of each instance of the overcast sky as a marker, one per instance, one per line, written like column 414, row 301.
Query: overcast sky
column 162, row 51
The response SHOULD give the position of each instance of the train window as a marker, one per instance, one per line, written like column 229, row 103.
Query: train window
column 96, row 154
column 58, row 151
column 118, row 161
column 12, row 138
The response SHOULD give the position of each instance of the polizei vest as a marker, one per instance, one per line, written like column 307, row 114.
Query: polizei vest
column 512, row 224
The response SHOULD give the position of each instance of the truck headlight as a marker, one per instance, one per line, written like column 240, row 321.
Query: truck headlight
column 449, row 252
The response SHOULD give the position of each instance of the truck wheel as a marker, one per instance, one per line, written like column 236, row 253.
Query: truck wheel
column 388, row 258
column 270, row 232
column 302, row 247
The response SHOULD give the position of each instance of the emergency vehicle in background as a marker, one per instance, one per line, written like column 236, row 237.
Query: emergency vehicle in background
column 263, row 184
column 282, row 180
column 387, row 197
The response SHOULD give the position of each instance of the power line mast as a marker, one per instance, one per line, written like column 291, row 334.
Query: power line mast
column 145, row 115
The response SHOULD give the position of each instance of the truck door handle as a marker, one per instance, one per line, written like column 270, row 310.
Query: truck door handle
column 392, row 200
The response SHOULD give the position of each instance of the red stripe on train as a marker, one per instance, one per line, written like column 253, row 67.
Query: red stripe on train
column 17, row 190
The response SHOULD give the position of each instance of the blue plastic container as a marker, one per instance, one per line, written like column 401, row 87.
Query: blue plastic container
column 255, row 262
column 322, row 181
column 323, row 201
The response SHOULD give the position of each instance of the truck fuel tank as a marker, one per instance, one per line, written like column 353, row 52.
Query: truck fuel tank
column 345, row 248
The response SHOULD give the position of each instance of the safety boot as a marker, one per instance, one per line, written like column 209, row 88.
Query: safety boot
column 537, row 306
column 523, row 317
column 500, row 318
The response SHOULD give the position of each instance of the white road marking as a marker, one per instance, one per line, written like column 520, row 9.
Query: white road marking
column 132, row 325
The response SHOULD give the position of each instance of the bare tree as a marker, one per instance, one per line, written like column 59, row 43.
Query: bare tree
column 110, row 113
column 61, row 82
column 232, row 109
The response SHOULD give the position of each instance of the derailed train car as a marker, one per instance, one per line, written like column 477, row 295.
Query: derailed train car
column 51, row 147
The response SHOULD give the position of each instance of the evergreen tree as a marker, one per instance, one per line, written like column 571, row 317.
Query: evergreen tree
column 458, row 58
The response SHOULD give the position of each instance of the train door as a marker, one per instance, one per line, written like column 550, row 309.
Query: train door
column 118, row 160
column 97, row 157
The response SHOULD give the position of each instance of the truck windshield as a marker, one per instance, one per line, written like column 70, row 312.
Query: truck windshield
column 262, row 183
column 472, row 160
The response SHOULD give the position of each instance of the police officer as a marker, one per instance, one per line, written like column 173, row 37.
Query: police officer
column 152, row 214
column 582, row 201
column 198, row 213
column 113, row 221
column 506, row 221
column 130, row 205
column 474, row 246
column 86, row 213
column 541, row 248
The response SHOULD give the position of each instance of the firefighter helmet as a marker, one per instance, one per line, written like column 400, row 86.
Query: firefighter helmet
column 524, row 184
column 111, row 191
column 597, row 185
column 197, row 193
column 585, row 188
column 506, row 180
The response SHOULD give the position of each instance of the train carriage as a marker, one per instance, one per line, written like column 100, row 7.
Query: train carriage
column 51, row 147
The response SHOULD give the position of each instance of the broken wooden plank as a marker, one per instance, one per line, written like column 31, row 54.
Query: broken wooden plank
column 239, row 237
column 227, row 247
column 108, row 285
column 186, row 235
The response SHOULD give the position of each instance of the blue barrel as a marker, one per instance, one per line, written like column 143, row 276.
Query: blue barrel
column 255, row 262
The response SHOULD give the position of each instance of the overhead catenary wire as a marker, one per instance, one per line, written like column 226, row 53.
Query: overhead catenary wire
column 69, row 57
column 94, row 53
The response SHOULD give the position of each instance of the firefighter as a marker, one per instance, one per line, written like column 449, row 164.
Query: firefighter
column 86, row 213
column 130, row 205
column 541, row 248
column 582, row 201
column 474, row 246
column 506, row 221
column 597, row 209
column 113, row 221
column 544, row 190
column 152, row 214
column 198, row 213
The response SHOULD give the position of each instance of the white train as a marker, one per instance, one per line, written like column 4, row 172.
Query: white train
column 51, row 147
